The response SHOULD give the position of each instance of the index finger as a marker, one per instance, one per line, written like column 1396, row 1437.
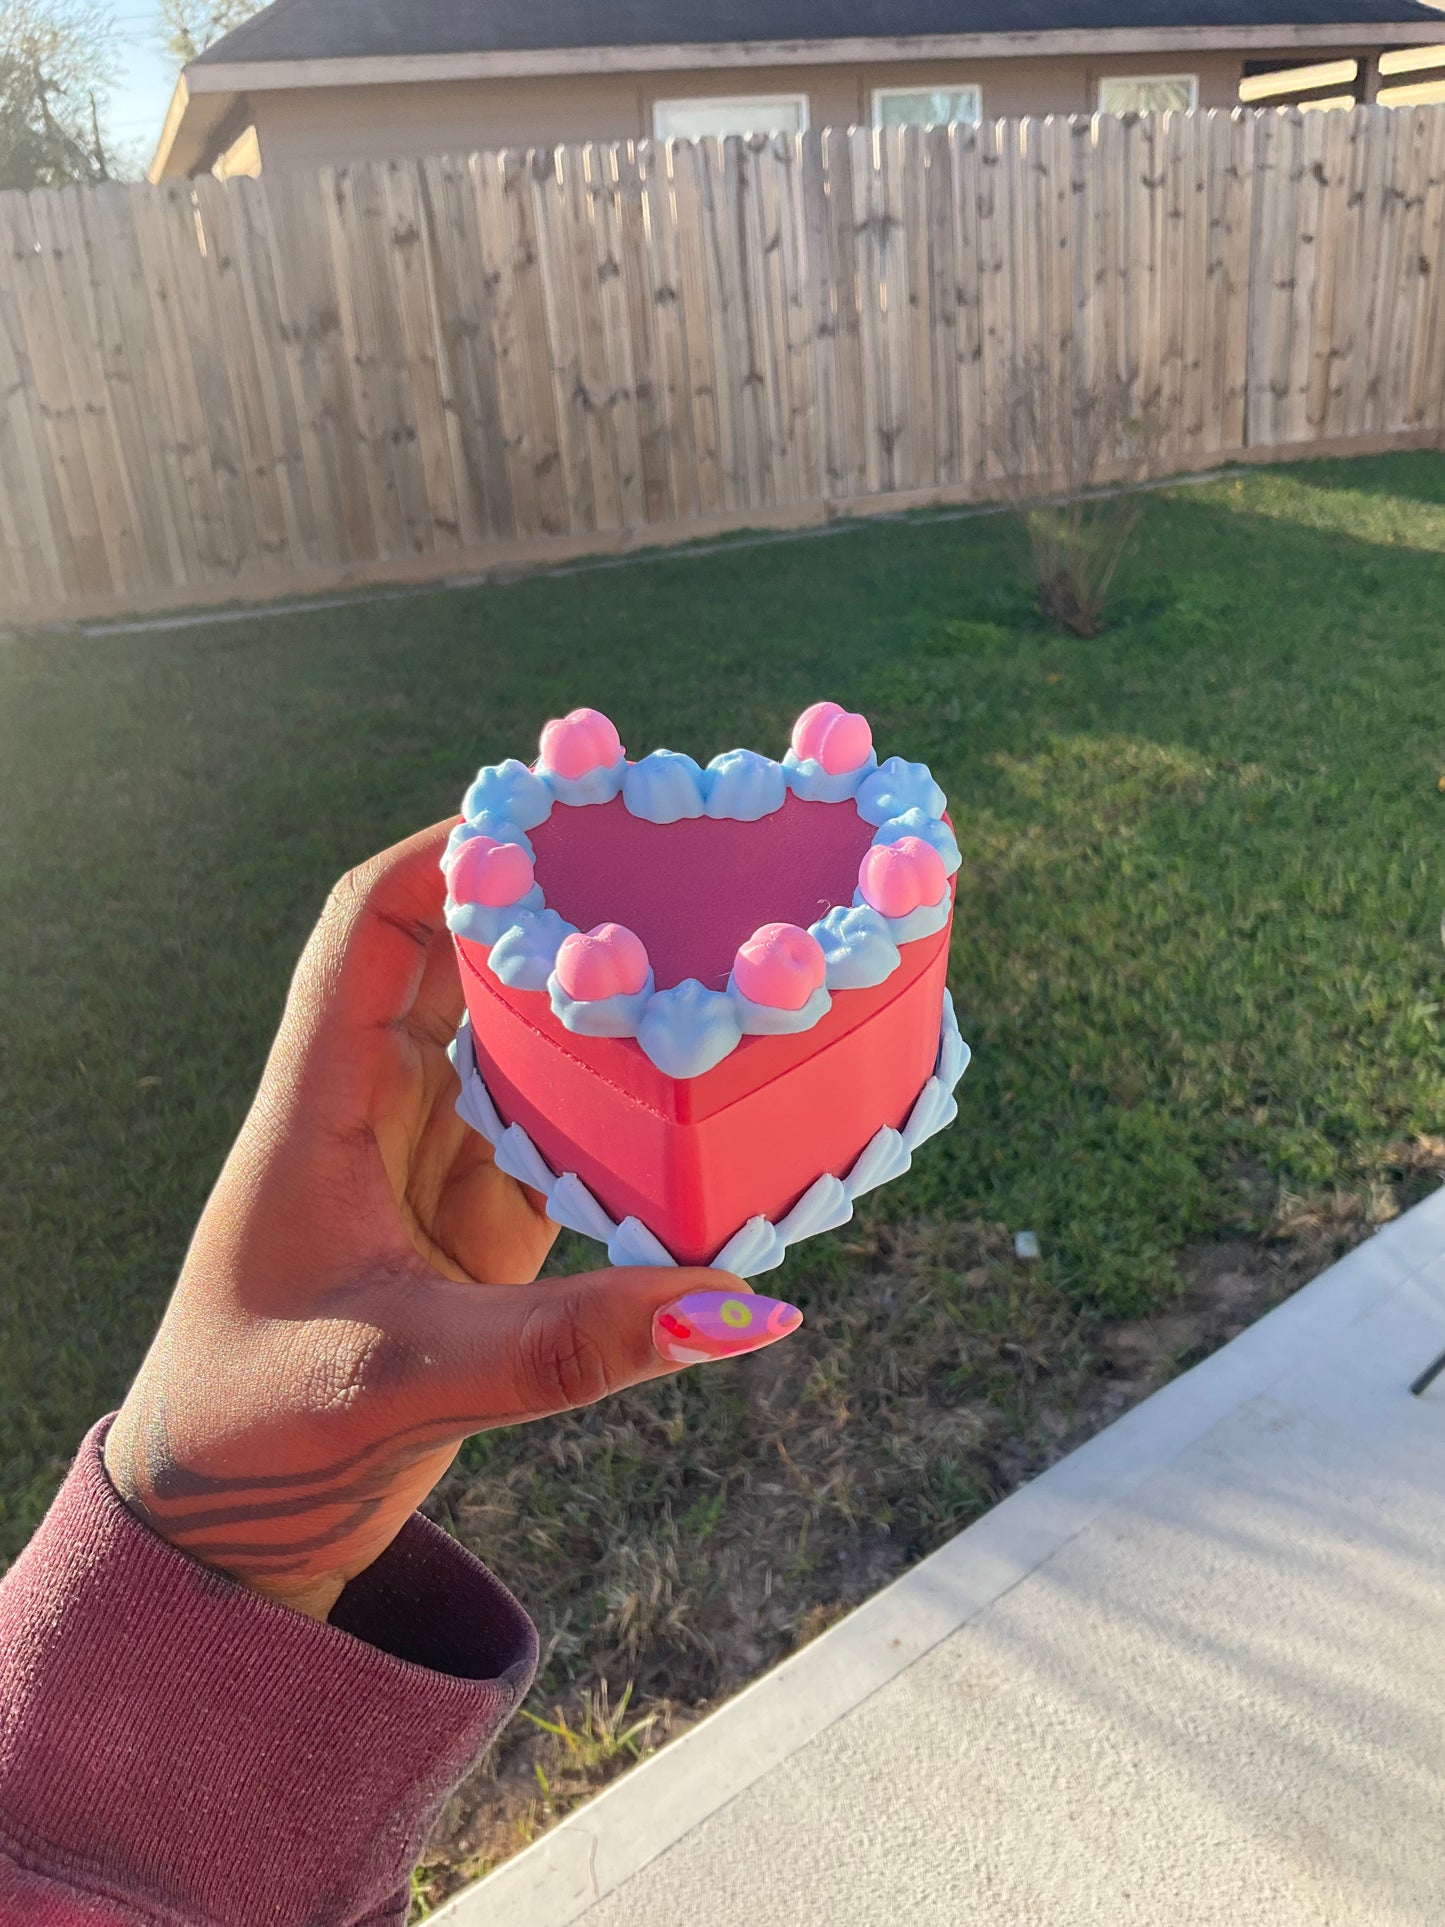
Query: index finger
column 366, row 957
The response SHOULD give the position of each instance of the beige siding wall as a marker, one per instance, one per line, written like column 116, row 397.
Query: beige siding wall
column 242, row 157
column 306, row 127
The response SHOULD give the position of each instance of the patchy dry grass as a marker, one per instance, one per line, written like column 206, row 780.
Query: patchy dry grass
column 676, row 1519
column 1321, row 1226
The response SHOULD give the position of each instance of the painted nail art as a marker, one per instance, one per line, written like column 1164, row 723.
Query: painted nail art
column 720, row 1324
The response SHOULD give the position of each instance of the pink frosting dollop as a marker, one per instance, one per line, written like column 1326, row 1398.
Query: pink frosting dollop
column 899, row 878
column 780, row 966
column 485, row 871
column 576, row 745
column 838, row 739
column 606, row 962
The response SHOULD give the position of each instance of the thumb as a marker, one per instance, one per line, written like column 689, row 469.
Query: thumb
column 528, row 1351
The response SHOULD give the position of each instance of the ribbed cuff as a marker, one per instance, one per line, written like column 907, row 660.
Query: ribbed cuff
column 173, row 1741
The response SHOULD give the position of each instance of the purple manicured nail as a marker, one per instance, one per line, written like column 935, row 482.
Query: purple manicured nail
column 720, row 1324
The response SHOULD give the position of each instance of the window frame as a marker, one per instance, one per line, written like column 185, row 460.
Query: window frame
column 800, row 101
column 1147, row 80
column 880, row 94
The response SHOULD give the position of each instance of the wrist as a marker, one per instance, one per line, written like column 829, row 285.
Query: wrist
column 314, row 1595
column 315, row 1598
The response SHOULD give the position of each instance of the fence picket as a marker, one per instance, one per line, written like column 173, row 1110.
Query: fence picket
column 36, row 520
column 1426, row 408
column 944, row 308
column 843, row 242
column 541, row 179
column 686, row 164
column 1333, row 166
column 60, row 408
column 653, row 259
column 898, row 426
column 1307, row 204
column 1173, row 289
column 125, row 349
column 965, row 164
column 1413, row 268
column 322, row 386
column 764, row 202
column 1194, row 289
column 994, row 330
column 537, row 476
column 463, row 351
column 798, row 303
column 917, row 403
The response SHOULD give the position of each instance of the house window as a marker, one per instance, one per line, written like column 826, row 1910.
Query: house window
column 1149, row 94
column 926, row 106
column 688, row 120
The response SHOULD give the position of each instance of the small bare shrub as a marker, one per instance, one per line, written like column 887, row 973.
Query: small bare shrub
column 1066, row 446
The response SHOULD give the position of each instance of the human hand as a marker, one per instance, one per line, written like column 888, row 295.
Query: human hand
column 358, row 1297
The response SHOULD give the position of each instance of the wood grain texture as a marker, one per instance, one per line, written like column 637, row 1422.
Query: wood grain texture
column 839, row 152
column 409, row 367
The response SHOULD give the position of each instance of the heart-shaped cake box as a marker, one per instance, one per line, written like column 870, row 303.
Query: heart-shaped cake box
column 707, row 1008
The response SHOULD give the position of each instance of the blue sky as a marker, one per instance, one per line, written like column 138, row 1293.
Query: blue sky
column 143, row 85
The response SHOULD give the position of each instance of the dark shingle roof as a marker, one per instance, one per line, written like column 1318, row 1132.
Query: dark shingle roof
column 334, row 29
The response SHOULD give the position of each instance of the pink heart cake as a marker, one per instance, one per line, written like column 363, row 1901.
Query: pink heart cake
column 707, row 1009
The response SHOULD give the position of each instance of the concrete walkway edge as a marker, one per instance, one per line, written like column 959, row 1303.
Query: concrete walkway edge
column 608, row 1841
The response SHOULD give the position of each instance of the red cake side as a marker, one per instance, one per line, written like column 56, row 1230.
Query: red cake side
column 695, row 1158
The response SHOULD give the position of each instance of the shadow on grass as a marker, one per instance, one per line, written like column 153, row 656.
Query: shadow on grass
column 1417, row 476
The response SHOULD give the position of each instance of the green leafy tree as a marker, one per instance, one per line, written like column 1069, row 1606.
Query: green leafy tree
column 56, row 61
column 193, row 25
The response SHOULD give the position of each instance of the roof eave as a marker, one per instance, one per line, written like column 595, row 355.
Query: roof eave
column 194, row 130
column 263, row 76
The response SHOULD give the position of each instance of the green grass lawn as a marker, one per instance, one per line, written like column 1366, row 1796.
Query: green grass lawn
column 1197, row 948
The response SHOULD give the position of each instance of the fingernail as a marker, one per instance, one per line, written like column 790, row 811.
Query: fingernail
column 720, row 1324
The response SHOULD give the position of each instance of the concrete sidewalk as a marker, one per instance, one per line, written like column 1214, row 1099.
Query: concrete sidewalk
column 1194, row 1676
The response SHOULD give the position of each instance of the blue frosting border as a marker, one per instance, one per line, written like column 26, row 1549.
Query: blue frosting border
column 687, row 1029
column 760, row 1245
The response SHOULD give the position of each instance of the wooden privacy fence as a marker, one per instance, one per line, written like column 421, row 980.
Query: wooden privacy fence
column 212, row 391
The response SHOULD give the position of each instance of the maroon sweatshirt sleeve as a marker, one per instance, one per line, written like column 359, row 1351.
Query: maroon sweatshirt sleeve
column 177, row 1750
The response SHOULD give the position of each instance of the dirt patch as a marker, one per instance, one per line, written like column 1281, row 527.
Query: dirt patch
column 1228, row 1287
column 688, row 1536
